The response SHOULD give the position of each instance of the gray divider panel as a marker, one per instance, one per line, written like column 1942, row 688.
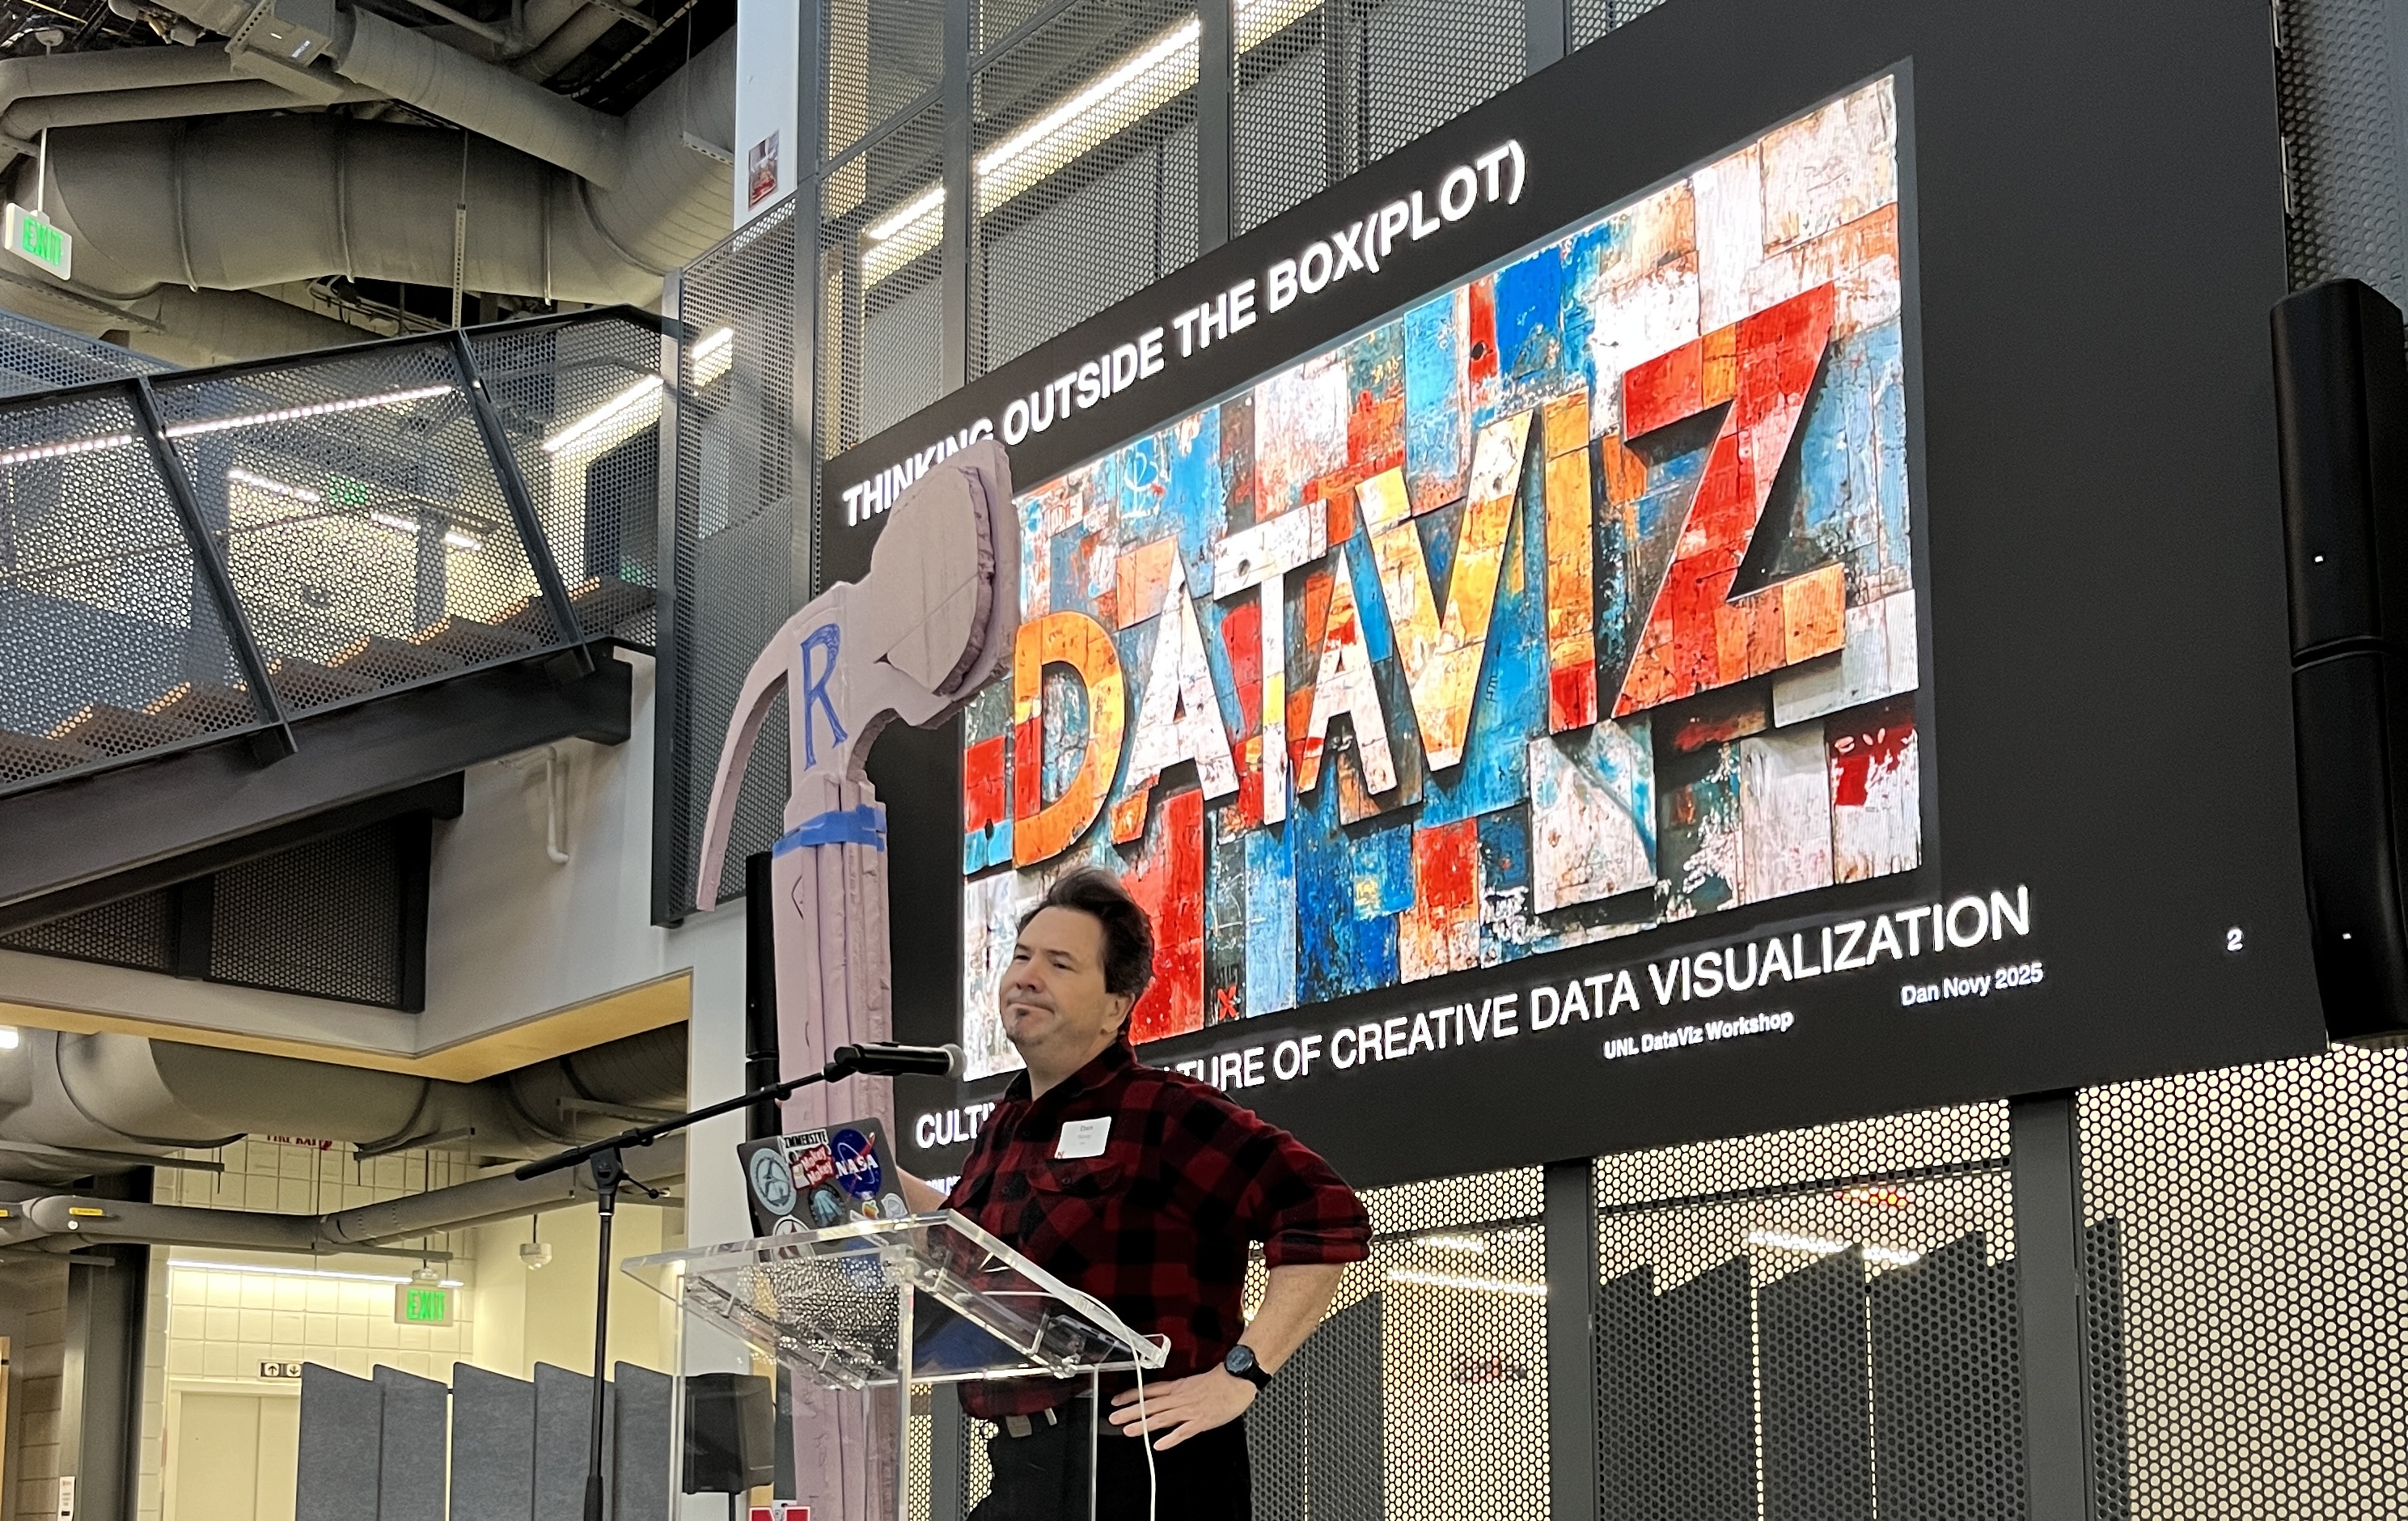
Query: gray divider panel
column 342, row 1434
column 640, row 1436
column 409, row 1476
column 493, row 1446
column 562, row 1406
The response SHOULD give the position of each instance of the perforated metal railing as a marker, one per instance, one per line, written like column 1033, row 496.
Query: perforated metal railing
column 214, row 552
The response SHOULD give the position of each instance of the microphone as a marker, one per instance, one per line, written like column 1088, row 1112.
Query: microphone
column 884, row 1058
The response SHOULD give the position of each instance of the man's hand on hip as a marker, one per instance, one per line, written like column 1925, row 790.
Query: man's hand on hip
column 1184, row 1407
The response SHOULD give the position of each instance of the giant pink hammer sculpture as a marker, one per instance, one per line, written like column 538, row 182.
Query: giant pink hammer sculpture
column 915, row 639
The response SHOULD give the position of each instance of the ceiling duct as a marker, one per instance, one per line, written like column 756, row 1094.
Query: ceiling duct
column 247, row 202
column 67, row 1099
column 285, row 41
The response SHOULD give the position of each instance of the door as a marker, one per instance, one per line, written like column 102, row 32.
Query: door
column 234, row 1456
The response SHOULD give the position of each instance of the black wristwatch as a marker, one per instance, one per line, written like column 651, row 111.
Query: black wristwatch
column 1240, row 1363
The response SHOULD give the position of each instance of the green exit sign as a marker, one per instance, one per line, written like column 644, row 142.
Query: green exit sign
column 421, row 1304
column 33, row 238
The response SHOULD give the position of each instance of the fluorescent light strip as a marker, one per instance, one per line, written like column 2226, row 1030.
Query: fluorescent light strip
column 1824, row 1246
column 274, row 488
column 622, row 407
column 713, row 356
column 1445, row 1243
column 191, row 1266
column 315, row 409
column 452, row 538
column 1141, row 85
column 1481, row 1286
column 73, row 446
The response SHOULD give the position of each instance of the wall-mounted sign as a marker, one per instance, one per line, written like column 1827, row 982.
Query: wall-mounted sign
column 1773, row 615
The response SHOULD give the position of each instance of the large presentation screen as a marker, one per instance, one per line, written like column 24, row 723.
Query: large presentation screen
column 1572, row 599
column 1737, row 584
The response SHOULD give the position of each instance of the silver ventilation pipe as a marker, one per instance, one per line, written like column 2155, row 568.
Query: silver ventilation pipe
column 63, row 1222
column 68, row 1100
column 248, row 202
column 285, row 39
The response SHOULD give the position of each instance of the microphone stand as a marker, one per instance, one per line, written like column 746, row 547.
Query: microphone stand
column 607, row 1170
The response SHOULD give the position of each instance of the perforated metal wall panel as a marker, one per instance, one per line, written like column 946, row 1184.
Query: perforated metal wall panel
column 1594, row 18
column 323, row 919
column 881, row 214
column 740, row 545
column 2338, row 81
column 882, row 55
column 137, row 932
column 2246, row 1257
column 1084, row 151
column 1810, row 1324
column 1323, row 89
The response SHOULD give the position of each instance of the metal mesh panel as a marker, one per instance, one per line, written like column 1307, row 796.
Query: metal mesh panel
column 737, row 522
column 1324, row 89
column 132, row 932
column 995, row 19
column 881, row 56
column 2337, row 89
column 1818, row 1322
column 1424, row 1393
column 918, row 1453
column 363, row 525
column 582, row 404
column 36, row 357
column 2248, row 1289
column 113, row 645
column 323, row 919
column 1084, row 156
column 881, row 223
column 1594, row 18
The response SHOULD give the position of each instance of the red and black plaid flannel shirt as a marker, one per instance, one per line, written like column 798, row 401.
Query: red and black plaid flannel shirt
column 1157, row 1227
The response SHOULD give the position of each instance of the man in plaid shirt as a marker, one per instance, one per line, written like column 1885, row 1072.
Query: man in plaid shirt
column 1143, row 1187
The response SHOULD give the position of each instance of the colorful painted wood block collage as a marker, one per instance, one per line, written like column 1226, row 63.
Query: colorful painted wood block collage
column 1573, row 600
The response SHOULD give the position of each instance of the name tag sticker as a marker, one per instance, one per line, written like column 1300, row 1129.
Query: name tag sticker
column 1083, row 1138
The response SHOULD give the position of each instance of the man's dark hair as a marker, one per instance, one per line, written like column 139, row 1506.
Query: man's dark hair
column 1128, row 934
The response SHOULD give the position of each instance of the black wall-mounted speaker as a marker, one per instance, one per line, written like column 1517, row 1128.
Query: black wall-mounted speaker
column 2341, row 391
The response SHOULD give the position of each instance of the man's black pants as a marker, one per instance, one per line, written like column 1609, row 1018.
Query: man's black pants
column 1044, row 1476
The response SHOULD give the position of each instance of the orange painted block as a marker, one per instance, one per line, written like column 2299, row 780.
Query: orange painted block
column 1041, row 831
column 1718, row 367
column 1140, row 581
column 1564, row 423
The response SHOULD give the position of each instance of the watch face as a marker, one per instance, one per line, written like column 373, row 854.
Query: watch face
column 1239, row 1361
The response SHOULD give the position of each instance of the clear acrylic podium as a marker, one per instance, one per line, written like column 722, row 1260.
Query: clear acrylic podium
column 859, row 1313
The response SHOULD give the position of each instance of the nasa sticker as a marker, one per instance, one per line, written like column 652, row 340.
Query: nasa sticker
column 857, row 1169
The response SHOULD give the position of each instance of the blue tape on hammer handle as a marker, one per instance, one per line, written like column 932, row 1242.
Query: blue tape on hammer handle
column 864, row 824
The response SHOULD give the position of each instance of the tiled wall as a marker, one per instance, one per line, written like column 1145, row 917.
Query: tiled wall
column 33, row 1314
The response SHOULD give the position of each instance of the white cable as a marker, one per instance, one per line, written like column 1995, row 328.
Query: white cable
column 1147, row 1436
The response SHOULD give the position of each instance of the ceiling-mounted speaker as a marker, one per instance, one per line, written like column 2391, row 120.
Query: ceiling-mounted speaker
column 2341, row 394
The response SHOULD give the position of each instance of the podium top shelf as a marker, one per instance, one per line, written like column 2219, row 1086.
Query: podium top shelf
column 922, row 1298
